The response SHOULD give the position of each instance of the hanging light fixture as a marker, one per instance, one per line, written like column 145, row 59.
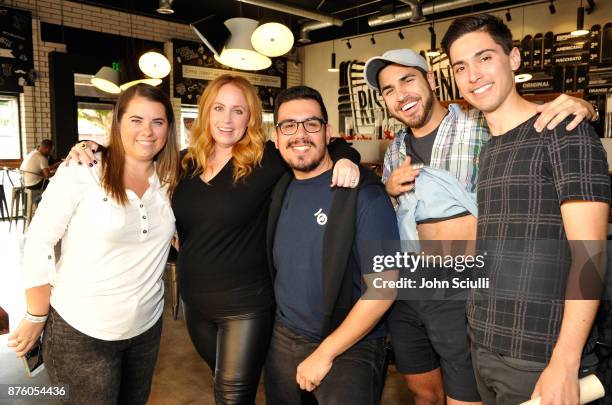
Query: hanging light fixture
column 508, row 15
column 333, row 67
column 152, row 82
column 154, row 65
column 348, row 44
column 551, row 7
column 372, row 40
column 433, row 51
column 165, row 7
column 212, row 32
column 580, row 23
column 272, row 39
column 400, row 34
column 522, row 78
column 238, row 52
column 107, row 80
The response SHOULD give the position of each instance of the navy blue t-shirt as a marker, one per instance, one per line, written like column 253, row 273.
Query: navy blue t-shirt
column 298, row 245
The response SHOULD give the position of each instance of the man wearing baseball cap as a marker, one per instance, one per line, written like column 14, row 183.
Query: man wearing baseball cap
column 429, row 337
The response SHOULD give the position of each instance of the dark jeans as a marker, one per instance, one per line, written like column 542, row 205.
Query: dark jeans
column 355, row 378
column 504, row 380
column 100, row 371
column 234, row 347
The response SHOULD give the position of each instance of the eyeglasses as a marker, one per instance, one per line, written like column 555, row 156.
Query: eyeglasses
column 311, row 125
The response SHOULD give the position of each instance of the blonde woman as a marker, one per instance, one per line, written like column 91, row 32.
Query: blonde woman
column 221, row 206
column 101, row 304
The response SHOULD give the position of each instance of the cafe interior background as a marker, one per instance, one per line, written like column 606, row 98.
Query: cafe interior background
column 50, row 50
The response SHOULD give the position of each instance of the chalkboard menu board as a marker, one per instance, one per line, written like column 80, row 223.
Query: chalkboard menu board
column 194, row 66
column 16, row 58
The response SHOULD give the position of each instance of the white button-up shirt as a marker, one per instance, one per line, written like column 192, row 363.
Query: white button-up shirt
column 107, row 282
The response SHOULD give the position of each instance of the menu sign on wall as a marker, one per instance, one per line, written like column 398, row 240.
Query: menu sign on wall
column 16, row 57
column 195, row 66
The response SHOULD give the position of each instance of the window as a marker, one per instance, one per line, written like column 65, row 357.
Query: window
column 94, row 121
column 9, row 128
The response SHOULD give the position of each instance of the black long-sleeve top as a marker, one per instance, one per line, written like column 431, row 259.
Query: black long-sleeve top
column 221, row 264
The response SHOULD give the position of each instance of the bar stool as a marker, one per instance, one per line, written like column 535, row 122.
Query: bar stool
column 3, row 203
column 32, row 199
column 18, row 195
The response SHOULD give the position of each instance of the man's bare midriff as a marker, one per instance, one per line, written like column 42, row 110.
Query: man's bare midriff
column 461, row 228
column 450, row 231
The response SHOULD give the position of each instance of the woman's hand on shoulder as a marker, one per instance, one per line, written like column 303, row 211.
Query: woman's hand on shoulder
column 345, row 174
column 83, row 153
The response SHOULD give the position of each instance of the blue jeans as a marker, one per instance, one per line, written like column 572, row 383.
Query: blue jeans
column 355, row 378
column 100, row 371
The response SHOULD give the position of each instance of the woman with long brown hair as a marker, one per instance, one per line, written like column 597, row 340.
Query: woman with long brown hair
column 221, row 206
column 101, row 304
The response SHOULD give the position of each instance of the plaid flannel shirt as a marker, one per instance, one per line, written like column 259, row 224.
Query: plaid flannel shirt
column 460, row 137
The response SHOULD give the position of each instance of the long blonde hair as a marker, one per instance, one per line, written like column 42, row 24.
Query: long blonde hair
column 113, row 156
column 247, row 152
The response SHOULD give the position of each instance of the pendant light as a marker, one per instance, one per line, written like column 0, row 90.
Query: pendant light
column 107, row 80
column 238, row 52
column 272, row 39
column 579, row 23
column 333, row 68
column 433, row 51
column 152, row 82
column 154, row 65
column 522, row 78
column 165, row 7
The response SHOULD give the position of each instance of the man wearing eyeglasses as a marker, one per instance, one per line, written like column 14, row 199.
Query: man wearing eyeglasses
column 327, row 339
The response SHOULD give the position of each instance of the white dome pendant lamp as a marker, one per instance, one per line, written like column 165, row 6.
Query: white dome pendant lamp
column 238, row 52
column 272, row 39
column 154, row 65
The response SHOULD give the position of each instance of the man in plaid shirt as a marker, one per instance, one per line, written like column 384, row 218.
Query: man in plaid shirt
column 536, row 192
column 430, row 338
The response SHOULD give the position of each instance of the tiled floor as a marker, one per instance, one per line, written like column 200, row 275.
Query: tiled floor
column 181, row 377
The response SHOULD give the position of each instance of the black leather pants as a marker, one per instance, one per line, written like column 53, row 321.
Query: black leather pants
column 235, row 349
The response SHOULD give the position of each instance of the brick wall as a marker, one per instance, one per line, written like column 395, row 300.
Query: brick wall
column 35, row 100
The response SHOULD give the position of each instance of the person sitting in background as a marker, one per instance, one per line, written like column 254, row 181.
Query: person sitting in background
column 101, row 304
column 35, row 166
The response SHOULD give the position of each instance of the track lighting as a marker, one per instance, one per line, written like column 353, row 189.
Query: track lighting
column 400, row 34
column 508, row 15
column 348, row 44
column 591, row 6
column 372, row 40
column 551, row 7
